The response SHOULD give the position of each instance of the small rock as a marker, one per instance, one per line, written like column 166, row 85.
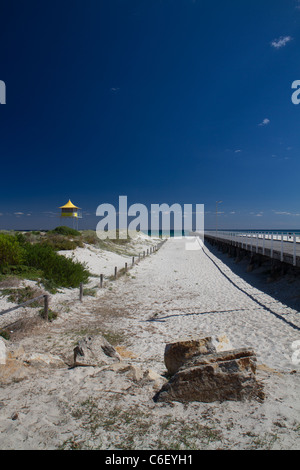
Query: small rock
column 14, row 416
column 135, row 373
column 151, row 376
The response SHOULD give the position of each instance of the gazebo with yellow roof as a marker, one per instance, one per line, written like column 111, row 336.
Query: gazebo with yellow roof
column 71, row 211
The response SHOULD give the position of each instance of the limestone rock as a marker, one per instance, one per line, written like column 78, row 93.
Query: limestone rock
column 176, row 354
column 151, row 376
column 221, row 343
column 3, row 352
column 42, row 360
column 95, row 351
column 135, row 373
column 227, row 375
column 156, row 380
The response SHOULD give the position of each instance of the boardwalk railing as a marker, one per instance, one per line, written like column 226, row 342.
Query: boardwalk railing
column 280, row 245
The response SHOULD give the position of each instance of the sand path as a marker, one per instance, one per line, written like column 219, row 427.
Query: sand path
column 178, row 293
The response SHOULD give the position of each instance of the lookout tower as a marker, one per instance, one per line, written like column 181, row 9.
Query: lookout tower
column 71, row 212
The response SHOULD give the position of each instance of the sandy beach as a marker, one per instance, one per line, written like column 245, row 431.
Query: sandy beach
column 174, row 293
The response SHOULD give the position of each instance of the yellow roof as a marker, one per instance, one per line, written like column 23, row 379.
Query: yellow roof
column 69, row 205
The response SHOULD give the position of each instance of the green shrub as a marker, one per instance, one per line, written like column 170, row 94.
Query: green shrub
column 4, row 334
column 60, row 242
column 63, row 230
column 22, row 271
column 62, row 271
column 11, row 253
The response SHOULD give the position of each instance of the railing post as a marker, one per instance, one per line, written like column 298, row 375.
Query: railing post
column 46, row 307
column 272, row 234
column 294, row 251
column 80, row 292
column 263, row 250
column 281, row 250
column 101, row 281
column 116, row 270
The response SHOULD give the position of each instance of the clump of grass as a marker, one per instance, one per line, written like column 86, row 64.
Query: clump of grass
column 51, row 314
column 89, row 291
column 23, row 294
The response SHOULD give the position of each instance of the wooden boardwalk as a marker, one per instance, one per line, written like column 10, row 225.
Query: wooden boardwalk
column 281, row 247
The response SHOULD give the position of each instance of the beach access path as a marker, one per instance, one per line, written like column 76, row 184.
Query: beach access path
column 179, row 293
column 174, row 293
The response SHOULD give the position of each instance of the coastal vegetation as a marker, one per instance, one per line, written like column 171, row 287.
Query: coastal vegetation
column 34, row 256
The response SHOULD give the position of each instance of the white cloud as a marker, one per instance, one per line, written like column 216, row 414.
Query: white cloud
column 281, row 42
column 286, row 213
column 19, row 213
column 237, row 151
column 265, row 122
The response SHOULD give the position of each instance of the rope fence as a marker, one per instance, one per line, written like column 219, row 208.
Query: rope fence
column 45, row 314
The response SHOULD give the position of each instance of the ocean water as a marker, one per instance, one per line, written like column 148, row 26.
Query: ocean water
column 284, row 231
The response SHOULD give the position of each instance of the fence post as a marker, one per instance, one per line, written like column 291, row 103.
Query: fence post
column 125, row 267
column 281, row 250
column 144, row 254
column 294, row 250
column 132, row 260
column 101, row 281
column 81, row 292
column 116, row 270
column 46, row 307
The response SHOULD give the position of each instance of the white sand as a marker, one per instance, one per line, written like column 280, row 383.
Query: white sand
column 171, row 294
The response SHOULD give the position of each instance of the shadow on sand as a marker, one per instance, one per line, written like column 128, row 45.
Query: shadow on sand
column 286, row 289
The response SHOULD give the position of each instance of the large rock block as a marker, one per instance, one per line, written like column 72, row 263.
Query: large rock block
column 227, row 375
column 179, row 352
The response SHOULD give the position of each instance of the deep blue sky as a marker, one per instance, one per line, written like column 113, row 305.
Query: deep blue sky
column 159, row 100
